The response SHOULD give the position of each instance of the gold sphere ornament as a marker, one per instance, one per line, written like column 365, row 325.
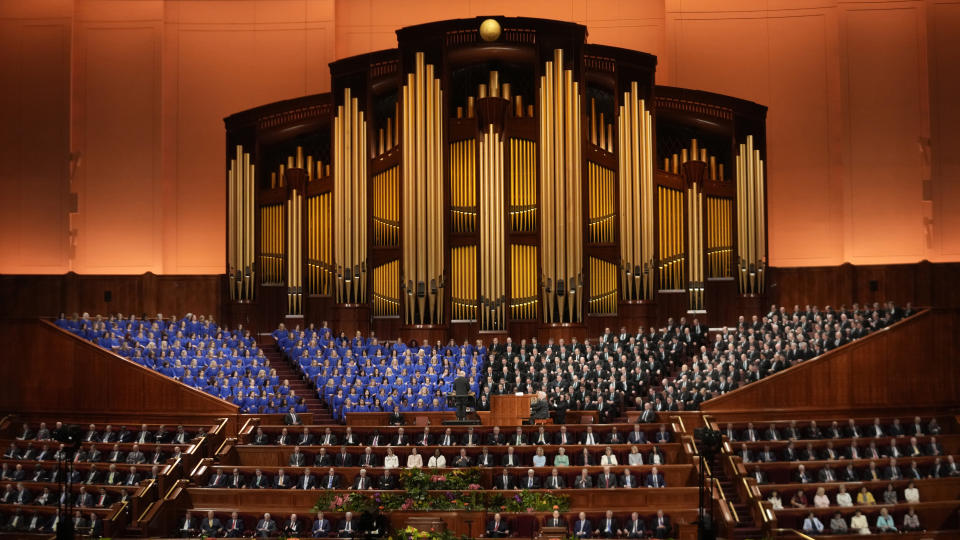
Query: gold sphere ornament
column 490, row 30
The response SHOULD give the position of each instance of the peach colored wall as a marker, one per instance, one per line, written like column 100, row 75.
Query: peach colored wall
column 862, row 99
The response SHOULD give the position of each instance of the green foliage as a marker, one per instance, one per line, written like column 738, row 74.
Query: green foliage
column 452, row 489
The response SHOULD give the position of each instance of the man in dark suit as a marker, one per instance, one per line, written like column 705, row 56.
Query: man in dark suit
column 663, row 436
column 649, row 415
column 143, row 436
column 530, row 481
column 563, row 437
column 260, row 438
column 93, row 475
column 503, row 481
column 607, row 479
column 555, row 520
column 554, row 481
column 322, row 459
column 321, row 526
column 661, row 525
column 589, row 437
column 115, row 455
column 470, row 438
column 84, row 499
column 331, row 480
column 349, row 439
column 234, row 526
column 607, row 528
column 583, row 480
column 485, row 459
column 400, row 439
column 328, row 438
column 236, row 480
column 510, row 459
column 892, row 471
column 628, row 480
column 282, row 480
column 17, row 522
column 284, row 438
column 655, row 479
column 292, row 526
column 260, row 480
column 189, row 526
column 343, row 459
column 307, row 481
column 362, row 481
column 497, row 527
column 802, row 476
column 181, row 436
column 218, row 479
column 368, row 458
column 211, row 526
column 495, row 438
column 636, row 436
column 388, row 480
column 266, row 526
column 305, row 438
column 634, row 528
column 582, row 528
column 292, row 418
column 348, row 527
column 376, row 439
column 297, row 458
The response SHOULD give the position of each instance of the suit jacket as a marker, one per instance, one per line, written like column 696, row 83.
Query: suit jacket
column 305, row 439
column 297, row 459
column 660, row 530
column 495, row 439
column 368, row 460
column 554, row 483
column 320, row 527
column 388, row 482
column 236, row 481
column 218, row 480
column 607, row 526
column 361, row 482
column 559, row 438
column 655, row 480
column 292, row 419
column 637, row 437
column 311, row 482
column 485, row 460
column 663, row 437
column 605, row 481
column 292, row 527
column 499, row 482
column 261, row 482
column 210, row 527
column 322, row 460
column 632, row 478
column 328, row 482
column 554, row 522
column 283, row 482
column 525, row 483
column 494, row 527
column 266, row 526
column 583, row 528
column 582, row 483
column 343, row 460
column 234, row 526
column 327, row 439
column 510, row 460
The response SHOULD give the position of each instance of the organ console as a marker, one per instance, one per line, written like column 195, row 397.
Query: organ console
column 528, row 183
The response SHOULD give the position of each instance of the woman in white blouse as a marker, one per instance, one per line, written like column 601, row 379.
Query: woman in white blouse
column 858, row 523
column 391, row 461
column 635, row 457
column 911, row 494
column 775, row 501
column 437, row 461
column 820, row 500
column 414, row 460
column 608, row 458
column 844, row 498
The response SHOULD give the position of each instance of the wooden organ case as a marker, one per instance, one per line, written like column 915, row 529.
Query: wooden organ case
column 518, row 182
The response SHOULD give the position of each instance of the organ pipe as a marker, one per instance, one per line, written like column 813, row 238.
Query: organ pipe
column 422, row 218
column 272, row 243
column 386, row 289
column 695, row 277
column 241, row 275
column 560, row 193
column 603, row 287
column 523, row 282
column 386, row 209
column 719, row 247
column 319, row 240
column 350, row 201
column 751, row 219
column 523, row 185
column 463, row 277
column 671, row 238
column 492, row 232
column 463, row 186
column 635, row 152
column 294, row 253
column 601, row 213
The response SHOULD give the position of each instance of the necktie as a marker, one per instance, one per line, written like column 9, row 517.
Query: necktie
column 348, row 526
column 627, row 477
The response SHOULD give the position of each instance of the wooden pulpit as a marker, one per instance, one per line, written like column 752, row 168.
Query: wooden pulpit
column 510, row 409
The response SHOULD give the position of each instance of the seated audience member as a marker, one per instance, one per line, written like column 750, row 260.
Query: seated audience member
column 555, row 520
column 607, row 528
column 608, row 457
column 634, row 527
column 911, row 521
column 539, row 459
column 414, row 460
column 843, row 498
column 858, row 523
column 890, row 495
column 211, row 526
column 655, row 479
column 865, row 497
column 362, row 481
column 911, row 494
column 838, row 525
column 437, row 461
column 661, row 525
column 582, row 528
column 348, row 527
column 321, row 526
column 391, row 461
column 812, row 524
column 292, row 526
column 266, row 527
column 775, row 502
column 885, row 522
column 634, row 457
column 606, row 479
column 497, row 527
column 820, row 499
column 190, row 526
column 799, row 499
column 561, row 459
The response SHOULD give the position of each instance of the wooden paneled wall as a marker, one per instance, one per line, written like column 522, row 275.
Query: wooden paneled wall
column 49, row 370
column 910, row 364
column 923, row 283
column 24, row 296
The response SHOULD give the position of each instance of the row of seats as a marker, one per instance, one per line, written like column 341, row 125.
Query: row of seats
column 852, row 429
column 129, row 453
column 843, row 448
column 42, row 520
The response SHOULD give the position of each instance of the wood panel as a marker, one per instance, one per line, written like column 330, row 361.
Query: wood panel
column 50, row 371
column 909, row 364
column 49, row 295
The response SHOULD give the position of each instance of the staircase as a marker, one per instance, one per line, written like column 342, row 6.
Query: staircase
column 746, row 526
column 288, row 370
